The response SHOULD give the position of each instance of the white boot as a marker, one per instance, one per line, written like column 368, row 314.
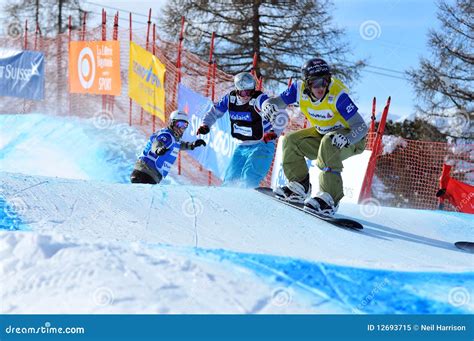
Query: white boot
column 322, row 203
column 295, row 191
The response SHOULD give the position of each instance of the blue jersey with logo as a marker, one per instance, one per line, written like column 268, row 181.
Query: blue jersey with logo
column 161, row 163
column 245, row 124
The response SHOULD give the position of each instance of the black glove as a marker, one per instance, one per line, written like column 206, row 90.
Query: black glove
column 441, row 192
column 203, row 130
column 198, row 143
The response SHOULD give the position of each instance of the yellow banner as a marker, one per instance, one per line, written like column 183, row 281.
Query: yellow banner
column 146, row 81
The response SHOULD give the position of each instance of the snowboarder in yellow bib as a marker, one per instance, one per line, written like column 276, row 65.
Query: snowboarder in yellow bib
column 338, row 131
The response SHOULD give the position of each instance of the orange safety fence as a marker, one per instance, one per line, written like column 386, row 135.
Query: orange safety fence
column 407, row 173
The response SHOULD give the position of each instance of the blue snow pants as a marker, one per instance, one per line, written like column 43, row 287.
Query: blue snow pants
column 249, row 164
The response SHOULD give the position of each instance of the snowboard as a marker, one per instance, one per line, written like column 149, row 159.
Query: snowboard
column 339, row 222
column 465, row 246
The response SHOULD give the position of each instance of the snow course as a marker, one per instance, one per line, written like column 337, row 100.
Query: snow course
column 75, row 237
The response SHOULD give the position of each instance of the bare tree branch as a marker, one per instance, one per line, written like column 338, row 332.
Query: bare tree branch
column 444, row 85
column 283, row 34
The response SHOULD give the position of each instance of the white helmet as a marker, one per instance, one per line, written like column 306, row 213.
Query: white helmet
column 244, row 81
column 178, row 116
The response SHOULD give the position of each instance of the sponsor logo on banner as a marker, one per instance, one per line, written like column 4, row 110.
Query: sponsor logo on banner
column 94, row 67
column 22, row 74
column 220, row 143
column 147, row 81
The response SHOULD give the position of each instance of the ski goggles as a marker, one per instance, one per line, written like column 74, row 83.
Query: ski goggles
column 181, row 124
column 316, row 83
column 245, row 93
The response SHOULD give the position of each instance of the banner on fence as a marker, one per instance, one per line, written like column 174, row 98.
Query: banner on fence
column 22, row 74
column 220, row 144
column 146, row 77
column 94, row 67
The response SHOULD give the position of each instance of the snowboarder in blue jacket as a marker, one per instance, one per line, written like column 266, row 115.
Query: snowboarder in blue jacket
column 162, row 149
column 255, row 136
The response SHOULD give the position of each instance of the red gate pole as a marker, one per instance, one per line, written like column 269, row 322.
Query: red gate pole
column 213, row 84
column 213, row 94
column 254, row 65
column 372, row 125
column 259, row 80
column 146, row 47
column 40, row 47
column 104, row 38
column 153, row 51
column 365, row 192
column 69, row 34
column 381, row 128
column 36, row 36
column 26, row 35
column 177, row 79
column 209, row 70
column 116, row 25
column 84, row 18
column 114, row 37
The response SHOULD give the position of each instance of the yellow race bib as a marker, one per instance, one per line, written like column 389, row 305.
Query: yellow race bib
column 324, row 115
